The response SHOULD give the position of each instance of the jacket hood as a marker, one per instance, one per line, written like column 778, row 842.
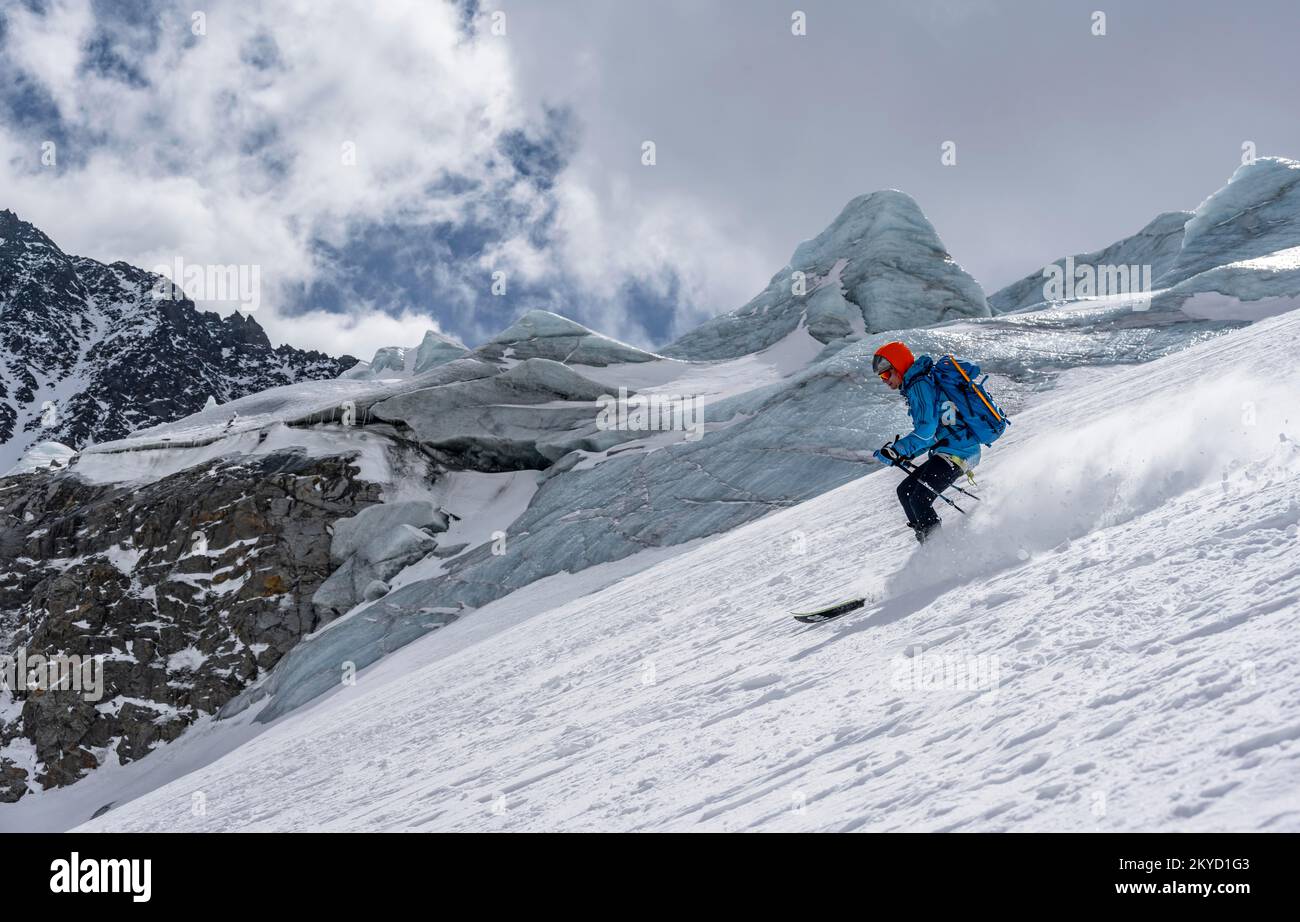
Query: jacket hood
column 920, row 368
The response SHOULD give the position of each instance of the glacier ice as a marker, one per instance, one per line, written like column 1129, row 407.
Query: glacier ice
column 1157, row 245
column 373, row 527
column 402, row 362
column 1242, row 243
column 437, row 349
column 544, row 335
column 1256, row 214
column 879, row 266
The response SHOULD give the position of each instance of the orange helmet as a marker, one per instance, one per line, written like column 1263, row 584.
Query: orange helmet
column 896, row 355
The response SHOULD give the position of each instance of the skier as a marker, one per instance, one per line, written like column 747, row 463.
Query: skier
column 947, row 421
column 952, row 416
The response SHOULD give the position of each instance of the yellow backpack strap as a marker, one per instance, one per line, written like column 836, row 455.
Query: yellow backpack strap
column 961, row 371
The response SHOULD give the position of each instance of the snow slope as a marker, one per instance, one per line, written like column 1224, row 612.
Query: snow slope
column 1111, row 632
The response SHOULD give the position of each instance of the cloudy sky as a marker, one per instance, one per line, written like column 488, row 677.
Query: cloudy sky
column 381, row 159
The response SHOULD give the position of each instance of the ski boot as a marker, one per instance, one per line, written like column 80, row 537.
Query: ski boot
column 923, row 530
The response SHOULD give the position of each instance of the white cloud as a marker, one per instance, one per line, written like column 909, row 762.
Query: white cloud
column 49, row 47
column 605, row 239
column 417, row 100
column 397, row 80
column 358, row 334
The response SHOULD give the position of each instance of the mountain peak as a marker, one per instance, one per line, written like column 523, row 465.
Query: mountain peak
column 244, row 328
column 876, row 221
column 880, row 265
column 167, row 356
column 537, row 322
column 14, row 228
column 437, row 336
column 878, row 201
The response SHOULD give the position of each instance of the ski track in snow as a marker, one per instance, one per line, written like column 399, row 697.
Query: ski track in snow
column 1136, row 598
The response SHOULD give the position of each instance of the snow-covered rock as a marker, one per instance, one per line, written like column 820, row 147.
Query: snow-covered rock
column 43, row 456
column 189, row 586
column 879, row 266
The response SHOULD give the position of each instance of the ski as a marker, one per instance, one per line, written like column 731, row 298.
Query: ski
column 829, row 611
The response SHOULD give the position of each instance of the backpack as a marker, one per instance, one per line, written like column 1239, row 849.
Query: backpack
column 976, row 411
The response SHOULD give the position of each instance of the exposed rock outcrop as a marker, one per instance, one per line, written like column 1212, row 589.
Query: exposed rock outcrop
column 189, row 588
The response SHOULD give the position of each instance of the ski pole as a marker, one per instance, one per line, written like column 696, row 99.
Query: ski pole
column 943, row 441
column 909, row 467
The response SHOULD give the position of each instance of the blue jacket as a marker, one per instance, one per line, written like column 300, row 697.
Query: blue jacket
column 925, row 406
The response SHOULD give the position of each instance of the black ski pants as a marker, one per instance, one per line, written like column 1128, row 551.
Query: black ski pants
column 918, row 503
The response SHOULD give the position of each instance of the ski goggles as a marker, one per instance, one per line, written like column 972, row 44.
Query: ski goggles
column 880, row 365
